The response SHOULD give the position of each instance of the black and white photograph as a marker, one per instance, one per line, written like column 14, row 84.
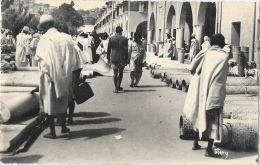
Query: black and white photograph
column 129, row 82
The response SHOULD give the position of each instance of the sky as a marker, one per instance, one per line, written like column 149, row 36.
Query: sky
column 79, row 4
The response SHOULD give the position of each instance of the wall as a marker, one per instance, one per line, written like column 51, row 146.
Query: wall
column 239, row 12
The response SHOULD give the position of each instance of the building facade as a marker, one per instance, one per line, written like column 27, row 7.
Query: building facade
column 130, row 15
column 181, row 19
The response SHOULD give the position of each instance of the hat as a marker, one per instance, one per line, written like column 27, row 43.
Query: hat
column 26, row 29
column 45, row 18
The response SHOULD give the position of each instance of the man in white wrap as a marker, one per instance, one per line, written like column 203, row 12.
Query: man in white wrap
column 205, row 99
column 57, row 59
column 23, row 48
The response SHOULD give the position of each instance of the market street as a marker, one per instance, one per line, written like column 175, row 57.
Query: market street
column 146, row 117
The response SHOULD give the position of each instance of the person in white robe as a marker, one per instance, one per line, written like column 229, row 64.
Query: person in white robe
column 205, row 99
column 83, row 41
column 22, row 56
column 206, row 44
column 56, row 57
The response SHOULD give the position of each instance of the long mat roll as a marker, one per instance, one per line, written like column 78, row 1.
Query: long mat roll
column 27, row 68
column 10, row 89
column 18, row 106
column 242, row 111
column 242, row 97
column 239, row 135
column 20, row 80
column 231, row 90
column 241, row 81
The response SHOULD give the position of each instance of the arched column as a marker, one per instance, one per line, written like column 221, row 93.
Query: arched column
column 199, row 33
column 179, row 37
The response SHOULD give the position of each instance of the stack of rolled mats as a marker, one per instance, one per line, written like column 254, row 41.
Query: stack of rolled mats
column 240, row 123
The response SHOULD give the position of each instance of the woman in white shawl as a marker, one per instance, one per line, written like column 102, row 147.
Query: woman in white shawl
column 205, row 100
column 137, row 54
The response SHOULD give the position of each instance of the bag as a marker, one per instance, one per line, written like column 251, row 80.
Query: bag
column 82, row 93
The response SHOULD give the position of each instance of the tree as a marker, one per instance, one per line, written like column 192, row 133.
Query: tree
column 67, row 18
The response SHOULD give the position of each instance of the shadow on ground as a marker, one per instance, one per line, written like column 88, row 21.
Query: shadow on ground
column 21, row 159
column 150, row 90
column 91, row 114
column 91, row 133
column 95, row 121
column 151, row 86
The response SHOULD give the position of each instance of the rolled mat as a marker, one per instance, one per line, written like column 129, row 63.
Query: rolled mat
column 231, row 90
column 173, row 78
column 186, row 130
column 179, row 79
column 241, row 81
column 27, row 68
column 157, row 73
column 9, row 132
column 101, row 66
column 239, row 135
column 20, row 80
column 242, row 111
column 185, row 84
column 18, row 106
column 10, row 89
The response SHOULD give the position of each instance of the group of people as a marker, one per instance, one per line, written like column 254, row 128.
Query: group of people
column 121, row 52
column 61, row 58
column 26, row 44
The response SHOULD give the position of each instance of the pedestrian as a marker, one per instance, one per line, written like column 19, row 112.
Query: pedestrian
column 206, row 44
column 84, row 42
column 33, row 46
column 56, row 56
column 117, row 56
column 194, row 47
column 95, row 41
column 137, row 56
column 22, row 55
column 168, row 39
column 204, row 104
column 172, row 50
column 103, row 45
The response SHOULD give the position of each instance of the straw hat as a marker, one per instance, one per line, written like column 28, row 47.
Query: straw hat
column 26, row 29
column 44, row 19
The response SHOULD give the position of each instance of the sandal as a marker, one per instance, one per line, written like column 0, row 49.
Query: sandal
column 196, row 147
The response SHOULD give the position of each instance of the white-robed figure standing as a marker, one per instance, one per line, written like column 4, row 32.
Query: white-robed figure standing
column 23, row 48
column 84, row 41
column 57, row 59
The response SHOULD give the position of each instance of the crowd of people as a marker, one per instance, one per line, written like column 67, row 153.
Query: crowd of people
column 61, row 57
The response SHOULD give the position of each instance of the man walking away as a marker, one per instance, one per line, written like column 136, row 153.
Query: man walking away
column 56, row 56
column 117, row 56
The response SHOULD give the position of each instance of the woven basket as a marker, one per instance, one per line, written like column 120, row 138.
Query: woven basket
column 185, row 84
column 186, row 130
column 241, row 136
column 179, row 79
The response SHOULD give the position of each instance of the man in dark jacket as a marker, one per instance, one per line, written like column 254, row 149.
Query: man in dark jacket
column 117, row 55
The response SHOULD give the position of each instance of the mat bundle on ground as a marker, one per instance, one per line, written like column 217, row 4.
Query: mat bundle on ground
column 20, row 79
column 18, row 106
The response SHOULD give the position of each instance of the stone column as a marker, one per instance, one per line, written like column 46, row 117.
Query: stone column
column 199, row 33
column 149, row 36
column 179, row 37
